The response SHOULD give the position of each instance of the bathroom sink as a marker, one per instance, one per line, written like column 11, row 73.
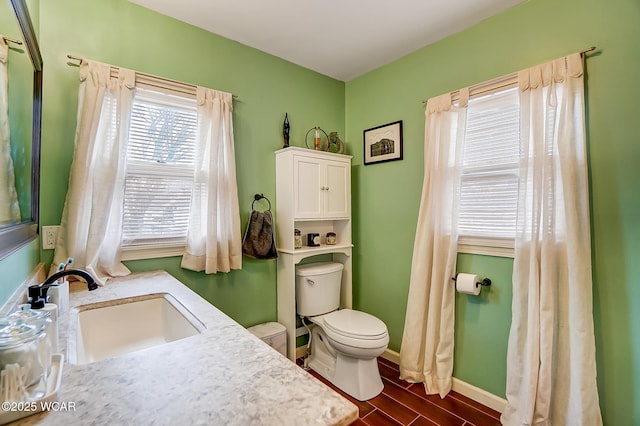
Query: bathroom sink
column 129, row 325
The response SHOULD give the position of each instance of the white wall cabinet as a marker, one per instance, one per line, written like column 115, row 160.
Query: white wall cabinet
column 313, row 194
column 322, row 188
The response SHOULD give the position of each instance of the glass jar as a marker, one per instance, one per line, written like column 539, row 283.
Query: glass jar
column 38, row 318
column 24, row 358
column 331, row 238
column 297, row 239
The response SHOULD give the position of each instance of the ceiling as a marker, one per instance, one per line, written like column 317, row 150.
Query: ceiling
column 339, row 38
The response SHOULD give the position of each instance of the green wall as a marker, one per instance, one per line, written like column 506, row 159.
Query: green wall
column 531, row 33
column 124, row 34
column 16, row 267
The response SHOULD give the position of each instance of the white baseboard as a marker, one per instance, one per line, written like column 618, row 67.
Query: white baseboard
column 392, row 356
column 479, row 395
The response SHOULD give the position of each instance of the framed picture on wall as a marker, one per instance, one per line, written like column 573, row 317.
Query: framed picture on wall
column 383, row 143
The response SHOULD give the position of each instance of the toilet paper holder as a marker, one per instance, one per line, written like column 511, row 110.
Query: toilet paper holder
column 485, row 282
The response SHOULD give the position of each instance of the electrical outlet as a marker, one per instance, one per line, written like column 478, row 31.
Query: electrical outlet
column 49, row 236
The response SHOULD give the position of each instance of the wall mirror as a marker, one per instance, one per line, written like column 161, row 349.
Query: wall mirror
column 24, row 76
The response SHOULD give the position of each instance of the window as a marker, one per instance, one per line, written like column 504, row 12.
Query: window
column 490, row 172
column 159, row 173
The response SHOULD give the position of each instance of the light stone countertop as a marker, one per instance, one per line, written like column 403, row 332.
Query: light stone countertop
column 224, row 376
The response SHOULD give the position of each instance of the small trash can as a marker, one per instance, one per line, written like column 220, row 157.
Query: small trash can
column 273, row 334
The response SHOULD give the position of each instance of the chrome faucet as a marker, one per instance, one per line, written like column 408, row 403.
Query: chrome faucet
column 38, row 293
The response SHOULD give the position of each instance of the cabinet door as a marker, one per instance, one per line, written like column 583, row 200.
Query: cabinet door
column 308, row 181
column 337, row 190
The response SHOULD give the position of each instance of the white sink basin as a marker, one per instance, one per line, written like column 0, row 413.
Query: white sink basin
column 130, row 325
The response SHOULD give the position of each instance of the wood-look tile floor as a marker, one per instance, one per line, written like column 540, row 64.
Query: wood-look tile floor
column 403, row 403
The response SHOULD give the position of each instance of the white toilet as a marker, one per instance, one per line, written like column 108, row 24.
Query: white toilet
column 344, row 343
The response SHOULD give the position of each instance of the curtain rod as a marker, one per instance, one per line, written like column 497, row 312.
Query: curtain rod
column 591, row 49
column 498, row 83
column 7, row 39
column 190, row 86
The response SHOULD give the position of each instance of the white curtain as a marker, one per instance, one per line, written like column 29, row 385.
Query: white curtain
column 213, row 240
column 9, row 207
column 91, row 226
column 426, row 354
column 551, row 371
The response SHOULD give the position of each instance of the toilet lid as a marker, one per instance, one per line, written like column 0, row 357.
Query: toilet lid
column 361, row 325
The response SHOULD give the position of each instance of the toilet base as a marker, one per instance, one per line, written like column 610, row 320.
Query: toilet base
column 359, row 378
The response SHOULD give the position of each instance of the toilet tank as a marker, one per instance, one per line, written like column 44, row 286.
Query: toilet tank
column 318, row 288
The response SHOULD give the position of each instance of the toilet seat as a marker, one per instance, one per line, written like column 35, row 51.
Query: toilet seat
column 357, row 324
column 354, row 328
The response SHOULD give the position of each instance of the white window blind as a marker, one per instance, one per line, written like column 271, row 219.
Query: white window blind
column 489, row 179
column 160, row 168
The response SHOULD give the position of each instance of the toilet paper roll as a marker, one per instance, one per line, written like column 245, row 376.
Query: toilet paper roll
column 466, row 283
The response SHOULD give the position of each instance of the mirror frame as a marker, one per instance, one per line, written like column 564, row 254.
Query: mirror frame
column 15, row 236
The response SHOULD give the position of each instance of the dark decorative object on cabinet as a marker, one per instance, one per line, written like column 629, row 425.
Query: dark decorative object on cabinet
column 286, row 128
column 313, row 239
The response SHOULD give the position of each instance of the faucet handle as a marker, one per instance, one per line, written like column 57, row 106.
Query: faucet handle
column 38, row 295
